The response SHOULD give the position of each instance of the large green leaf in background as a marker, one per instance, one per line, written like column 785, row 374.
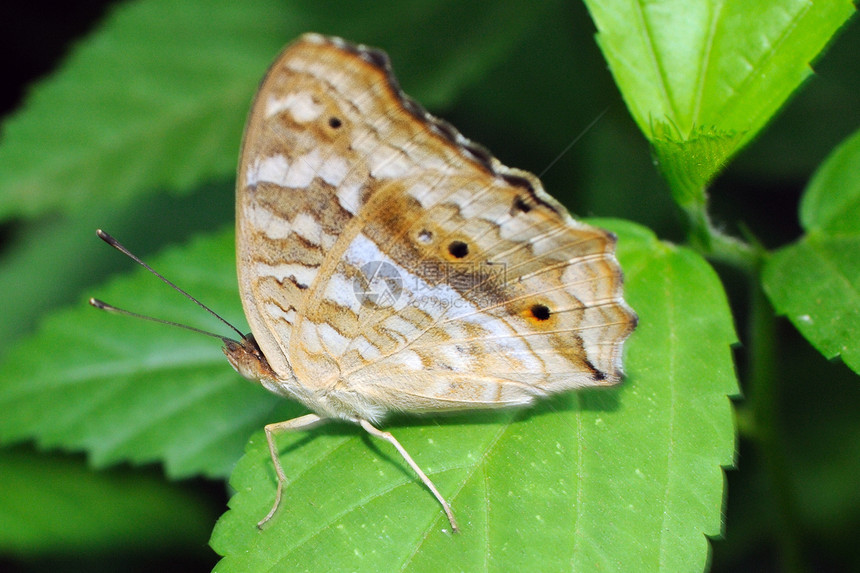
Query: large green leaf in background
column 703, row 78
column 148, row 101
column 816, row 281
column 618, row 480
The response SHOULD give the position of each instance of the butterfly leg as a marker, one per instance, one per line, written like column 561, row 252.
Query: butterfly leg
column 300, row 423
column 370, row 429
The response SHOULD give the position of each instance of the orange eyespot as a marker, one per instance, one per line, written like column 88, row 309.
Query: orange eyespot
column 539, row 312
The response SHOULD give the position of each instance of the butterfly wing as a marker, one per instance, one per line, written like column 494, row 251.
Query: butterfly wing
column 391, row 264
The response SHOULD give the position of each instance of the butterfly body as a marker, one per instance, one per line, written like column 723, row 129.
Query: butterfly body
column 387, row 263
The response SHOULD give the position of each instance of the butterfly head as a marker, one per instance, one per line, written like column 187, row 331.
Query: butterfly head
column 247, row 359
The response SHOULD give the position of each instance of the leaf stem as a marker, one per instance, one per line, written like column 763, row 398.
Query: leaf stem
column 763, row 401
column 715, row 244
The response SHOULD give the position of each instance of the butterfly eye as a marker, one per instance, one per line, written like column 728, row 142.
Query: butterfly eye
column 334, row 122
column 458, row 249
column 540, row 312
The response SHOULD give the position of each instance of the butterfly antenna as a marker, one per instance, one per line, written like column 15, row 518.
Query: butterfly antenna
column 101, row 305
column 104, row 306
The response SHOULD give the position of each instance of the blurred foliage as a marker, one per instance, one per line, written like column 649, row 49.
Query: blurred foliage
column 137, row 128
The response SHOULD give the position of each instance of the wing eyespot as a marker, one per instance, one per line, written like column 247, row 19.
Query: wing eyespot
column 458, row 249
column 539, row 312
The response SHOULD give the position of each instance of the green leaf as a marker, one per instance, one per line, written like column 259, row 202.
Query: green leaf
column 623, row 479
column 831, row 203
column 816, row 281
column 710, row 74
column 125, row 389
column 64, row 508
column 158, row 96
